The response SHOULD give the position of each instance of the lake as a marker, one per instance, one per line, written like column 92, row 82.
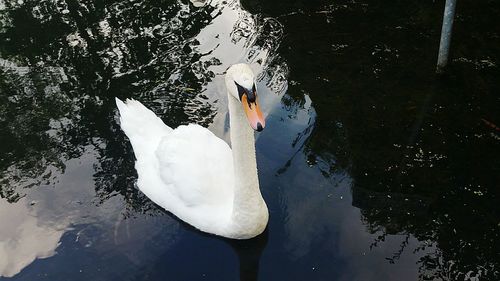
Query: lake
column 372, row 166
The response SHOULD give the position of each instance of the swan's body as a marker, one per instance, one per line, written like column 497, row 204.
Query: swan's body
column 195, row 175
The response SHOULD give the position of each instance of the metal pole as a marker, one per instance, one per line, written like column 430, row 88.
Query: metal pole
column 444, row 45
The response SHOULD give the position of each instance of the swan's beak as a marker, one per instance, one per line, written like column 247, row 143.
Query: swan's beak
column 254, row 115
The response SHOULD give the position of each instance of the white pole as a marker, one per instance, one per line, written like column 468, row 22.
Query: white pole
column 444, row 45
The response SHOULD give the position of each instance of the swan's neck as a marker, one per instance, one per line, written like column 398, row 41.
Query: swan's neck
column 249, row 209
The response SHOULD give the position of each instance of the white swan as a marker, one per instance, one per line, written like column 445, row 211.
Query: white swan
column 195, row 175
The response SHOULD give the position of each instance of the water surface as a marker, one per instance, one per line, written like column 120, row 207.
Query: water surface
column 373, row 167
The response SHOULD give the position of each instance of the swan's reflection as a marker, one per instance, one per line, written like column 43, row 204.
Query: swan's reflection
column 249, row 253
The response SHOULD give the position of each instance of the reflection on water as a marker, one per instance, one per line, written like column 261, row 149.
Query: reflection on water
column 23, row 240
column 371, row 167
column 422, row 159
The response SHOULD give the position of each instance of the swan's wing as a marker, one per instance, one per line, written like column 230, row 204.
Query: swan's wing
column 187, row 171
column 142, row 127
column 198, row 169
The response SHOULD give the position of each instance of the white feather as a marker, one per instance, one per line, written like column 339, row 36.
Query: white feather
column 190, row 172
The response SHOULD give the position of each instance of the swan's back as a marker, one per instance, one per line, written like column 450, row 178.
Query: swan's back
column 187, row 171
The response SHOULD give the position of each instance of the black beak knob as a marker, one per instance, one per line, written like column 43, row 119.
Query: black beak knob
column 259, row 127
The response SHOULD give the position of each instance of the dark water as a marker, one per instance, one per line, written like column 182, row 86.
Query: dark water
column 373, row 167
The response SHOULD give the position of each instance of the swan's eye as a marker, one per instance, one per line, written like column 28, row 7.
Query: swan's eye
column 241, row 90
column 250, row 93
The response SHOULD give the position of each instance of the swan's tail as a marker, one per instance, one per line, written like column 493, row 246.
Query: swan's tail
column 142, row 126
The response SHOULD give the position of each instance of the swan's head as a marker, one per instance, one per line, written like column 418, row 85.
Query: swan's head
column 240, row 83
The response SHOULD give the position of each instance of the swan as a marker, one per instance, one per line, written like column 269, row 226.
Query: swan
column 195, row 175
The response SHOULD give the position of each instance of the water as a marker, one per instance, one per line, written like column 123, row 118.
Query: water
column 372, row 167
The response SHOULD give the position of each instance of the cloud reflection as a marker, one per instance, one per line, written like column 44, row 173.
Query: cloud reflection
column 22, row 239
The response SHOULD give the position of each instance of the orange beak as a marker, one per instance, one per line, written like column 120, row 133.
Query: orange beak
column 253, row 113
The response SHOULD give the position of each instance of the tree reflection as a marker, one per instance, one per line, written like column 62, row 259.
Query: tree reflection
column 49, row 113
column 422, row 161
column 30, row 100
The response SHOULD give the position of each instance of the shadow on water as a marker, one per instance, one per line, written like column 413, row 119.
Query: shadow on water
column 249, row 253
column 371, row 166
